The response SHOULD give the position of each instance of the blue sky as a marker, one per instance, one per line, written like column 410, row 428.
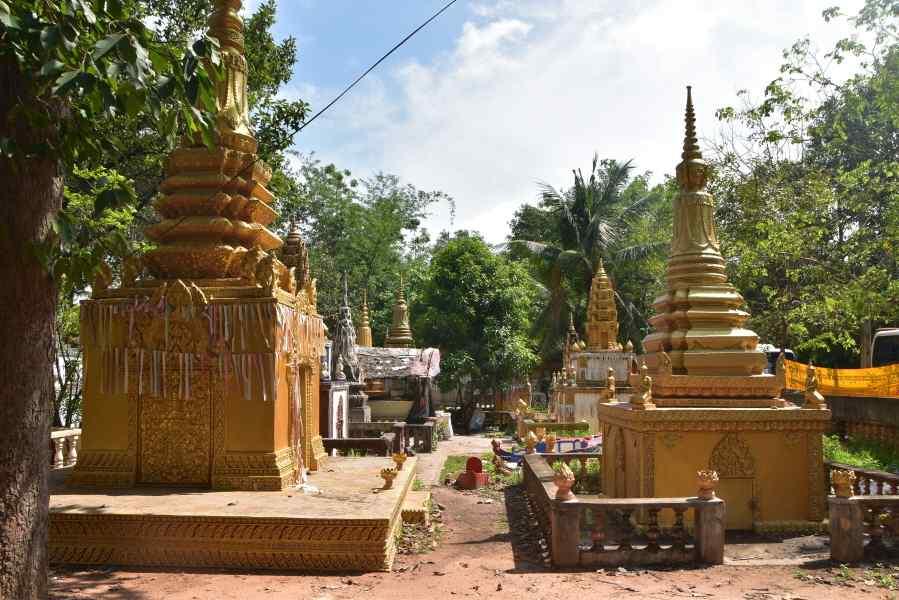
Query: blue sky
column 499, row 94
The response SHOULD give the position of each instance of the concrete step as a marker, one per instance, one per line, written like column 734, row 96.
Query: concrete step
column 417, row 507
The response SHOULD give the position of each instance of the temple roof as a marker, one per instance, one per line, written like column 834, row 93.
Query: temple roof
column 380, row 363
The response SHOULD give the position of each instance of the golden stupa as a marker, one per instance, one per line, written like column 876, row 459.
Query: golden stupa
column 602, row 315
column 364, row 338
column 204, row 371
column 400, row 334
column 701, row 399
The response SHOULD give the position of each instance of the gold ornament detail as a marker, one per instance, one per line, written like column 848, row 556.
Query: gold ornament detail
column 732, row 457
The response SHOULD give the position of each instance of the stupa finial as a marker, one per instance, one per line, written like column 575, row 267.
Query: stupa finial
column 346, row 296
column 691, row 142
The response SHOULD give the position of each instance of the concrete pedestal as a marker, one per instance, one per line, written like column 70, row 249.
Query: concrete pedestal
column 769, row 460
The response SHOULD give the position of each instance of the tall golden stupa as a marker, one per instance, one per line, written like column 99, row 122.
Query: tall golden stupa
column 201, row 368
column 602, row 316
column 702, row 400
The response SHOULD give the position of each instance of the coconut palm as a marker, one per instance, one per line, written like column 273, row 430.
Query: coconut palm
column 596, row 218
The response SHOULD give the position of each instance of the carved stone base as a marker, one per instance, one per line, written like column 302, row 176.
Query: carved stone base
column 352, row 529
column 272, row 471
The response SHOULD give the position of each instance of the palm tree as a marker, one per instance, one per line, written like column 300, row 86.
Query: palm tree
column 596, row 219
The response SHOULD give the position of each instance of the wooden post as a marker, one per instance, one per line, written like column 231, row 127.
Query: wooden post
column 710, row 519
column 847, row 530
column 566, row 534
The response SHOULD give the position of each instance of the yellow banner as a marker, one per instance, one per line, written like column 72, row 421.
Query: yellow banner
column 876, row 381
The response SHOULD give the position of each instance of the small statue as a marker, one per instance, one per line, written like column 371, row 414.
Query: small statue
column 610, row 385
column 267, row 275
column 665, row 367
column 530, row 442
column 102, row 278
column 132, row 268
column 341, row 374
column 813, row 398
column 642, row 398
column 250, row 263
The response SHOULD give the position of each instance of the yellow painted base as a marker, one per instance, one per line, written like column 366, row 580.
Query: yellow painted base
column 769, row 461
column 351, row 525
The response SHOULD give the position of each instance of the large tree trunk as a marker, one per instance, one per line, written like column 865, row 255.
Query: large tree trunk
column 31, row 194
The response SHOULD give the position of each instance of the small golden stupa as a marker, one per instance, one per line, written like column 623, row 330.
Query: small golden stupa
column 364, row 338
column 400, row 334
column 700, row 399
column 602, row 316
column 204, row 371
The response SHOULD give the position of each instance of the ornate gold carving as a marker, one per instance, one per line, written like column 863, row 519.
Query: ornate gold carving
column 732, row 457
column 175, row 434
column 223, row 542
column 670, row 439
column 816, row 476
column 649, row 464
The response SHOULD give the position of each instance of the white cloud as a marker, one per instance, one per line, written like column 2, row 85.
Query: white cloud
column 532, row 88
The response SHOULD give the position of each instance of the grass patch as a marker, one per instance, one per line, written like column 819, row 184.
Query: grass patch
column 861, row 453
column 455, row 464
column 418, row 485
column 881, row 576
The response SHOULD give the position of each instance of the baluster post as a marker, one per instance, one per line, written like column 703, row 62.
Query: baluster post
column 627, row 531
column 58, row 455
column 678, row 531
column 875, row 529
column 73, row 450
column 652, row 530
column 598, row 534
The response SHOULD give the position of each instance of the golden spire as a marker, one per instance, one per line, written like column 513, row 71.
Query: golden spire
column 364, row 338
column 699, row 319
column 400, row 334
column 213, row 203
column 602, row 315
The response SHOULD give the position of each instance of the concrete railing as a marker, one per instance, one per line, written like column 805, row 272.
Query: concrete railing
column 65, row 446
column 591, row 532
column 863, row 527
column 377, row 428
column 866, row 482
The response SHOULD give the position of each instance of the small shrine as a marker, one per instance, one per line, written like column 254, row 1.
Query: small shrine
column 593, row 367
column 201, row 367
column 700, row 399
column 201, row 384
column 399, row 335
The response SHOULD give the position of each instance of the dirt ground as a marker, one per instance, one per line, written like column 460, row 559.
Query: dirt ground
column 489, row 548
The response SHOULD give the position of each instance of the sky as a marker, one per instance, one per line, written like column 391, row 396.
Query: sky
column 498, row 95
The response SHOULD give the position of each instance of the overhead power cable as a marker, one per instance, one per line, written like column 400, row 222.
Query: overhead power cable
column 375, row 65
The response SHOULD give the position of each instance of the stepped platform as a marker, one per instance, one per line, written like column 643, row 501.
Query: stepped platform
column 348, row 525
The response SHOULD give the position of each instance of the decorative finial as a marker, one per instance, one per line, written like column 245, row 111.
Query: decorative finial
column 346, row 298
column 691, row 142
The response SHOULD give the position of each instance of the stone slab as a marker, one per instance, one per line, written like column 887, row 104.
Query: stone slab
column 349, row 524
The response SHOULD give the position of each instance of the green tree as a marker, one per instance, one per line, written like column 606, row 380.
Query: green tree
column 476, row 306
column 808, row 206
column 608, row 214
column 369, row 229
column 64, row 65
